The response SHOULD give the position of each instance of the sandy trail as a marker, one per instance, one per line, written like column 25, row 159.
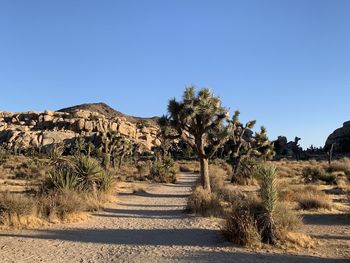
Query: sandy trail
column 144, row 227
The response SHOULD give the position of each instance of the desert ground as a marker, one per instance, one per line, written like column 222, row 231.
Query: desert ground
column 147, row 223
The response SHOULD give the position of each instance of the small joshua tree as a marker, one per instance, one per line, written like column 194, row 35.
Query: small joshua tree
column 269, row 195
column 244, row 144
column 199, row 120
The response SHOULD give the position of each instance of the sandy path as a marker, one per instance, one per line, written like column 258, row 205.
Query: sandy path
column 149, row 227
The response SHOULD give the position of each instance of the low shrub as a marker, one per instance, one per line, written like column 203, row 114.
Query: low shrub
column 144, row 168
column 59, row 205
column 313, row 200
column 13, row 207
column 342, row 165
column 189, row 166
column 164, row 171
column 204, row 203
column 241, row 227
column 313, row 174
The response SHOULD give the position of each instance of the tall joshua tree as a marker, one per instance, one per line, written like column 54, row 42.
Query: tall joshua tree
column 199, row 119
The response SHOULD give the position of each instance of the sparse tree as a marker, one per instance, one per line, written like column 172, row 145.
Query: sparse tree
column 199, row 119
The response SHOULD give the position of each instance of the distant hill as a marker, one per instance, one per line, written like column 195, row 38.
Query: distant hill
column 109, row 112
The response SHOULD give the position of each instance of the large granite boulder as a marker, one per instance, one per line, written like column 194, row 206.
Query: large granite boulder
column 340, row 138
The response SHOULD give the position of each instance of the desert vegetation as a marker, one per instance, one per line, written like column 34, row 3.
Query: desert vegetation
column 258, row 191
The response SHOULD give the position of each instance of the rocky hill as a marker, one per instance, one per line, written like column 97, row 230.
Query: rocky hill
column 40, row 129
column 340, row 138
column 108, row 112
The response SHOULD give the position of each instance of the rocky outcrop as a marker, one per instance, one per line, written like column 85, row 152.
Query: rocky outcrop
column 38, row 129
column 340, row 138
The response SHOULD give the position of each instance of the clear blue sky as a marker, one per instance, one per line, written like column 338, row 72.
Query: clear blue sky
column 284, row 63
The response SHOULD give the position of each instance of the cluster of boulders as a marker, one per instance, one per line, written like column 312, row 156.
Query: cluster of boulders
column 340, row 139
column 38, row 129
column 284, row 148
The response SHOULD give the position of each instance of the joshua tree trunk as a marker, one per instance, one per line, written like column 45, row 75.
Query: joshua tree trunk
column 235, row 169
column 269, row 231
column 205, row 180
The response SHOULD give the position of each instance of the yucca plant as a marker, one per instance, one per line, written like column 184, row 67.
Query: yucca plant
column 105, row 182
column 62, row 177
column 87, row 170
column 55, row 152
column 269, row 195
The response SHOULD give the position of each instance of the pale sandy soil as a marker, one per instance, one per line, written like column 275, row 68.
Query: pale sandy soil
column 152, row 227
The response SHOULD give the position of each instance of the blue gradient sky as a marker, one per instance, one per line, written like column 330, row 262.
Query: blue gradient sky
column 284, row 63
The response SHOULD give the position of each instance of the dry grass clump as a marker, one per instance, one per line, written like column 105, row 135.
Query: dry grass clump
column 143, row 168
column 313, row 174
column 189, row 166
column 342, row 165
column 15, row 209
column 241, row 227
column 254, row 220
column 313, row 200
column 204, row 203
column 70, row 190
column 61, row 205
column 244, row 223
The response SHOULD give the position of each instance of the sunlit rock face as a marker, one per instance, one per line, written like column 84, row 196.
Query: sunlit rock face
column 37, row 129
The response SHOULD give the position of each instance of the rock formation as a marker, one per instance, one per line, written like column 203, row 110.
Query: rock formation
column 340, row 138
column 39, row 129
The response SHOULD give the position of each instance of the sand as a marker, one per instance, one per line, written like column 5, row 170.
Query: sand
column 147, row 226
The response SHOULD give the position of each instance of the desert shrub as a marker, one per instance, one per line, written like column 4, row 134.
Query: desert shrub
column 313, row 174
column 164, row 171
column 246, row 171
column 55, row 152
column 105, row 182
column 143, row 168
column 240, row 226
column 217, row 177
column 62, row 177
column 88, row 170
column 189, row 166
column 286, row 220
column 13, row 207
column 313, row 200
column 204, row 202
column 342, row 165
column 60, row 204
column 84, row 174
column 4, row 155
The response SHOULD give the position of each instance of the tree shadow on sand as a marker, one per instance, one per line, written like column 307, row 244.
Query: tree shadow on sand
column 202, row 239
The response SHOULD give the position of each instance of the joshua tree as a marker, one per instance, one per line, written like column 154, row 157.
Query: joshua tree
column 330, row 154
column 199, row 120
column 243, row 144
column 115, row 147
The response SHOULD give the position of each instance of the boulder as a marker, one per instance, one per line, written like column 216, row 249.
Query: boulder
column 340, row 138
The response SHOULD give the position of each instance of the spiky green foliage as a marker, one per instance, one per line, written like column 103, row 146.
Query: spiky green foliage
column 62, row 177
column 105, row 182
column 164, row 170
column 88, row 170
column 243, row 144
column 268, row 186
column 269, row 195
column 55, row 152
column 199, row 120
column 115, row 148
